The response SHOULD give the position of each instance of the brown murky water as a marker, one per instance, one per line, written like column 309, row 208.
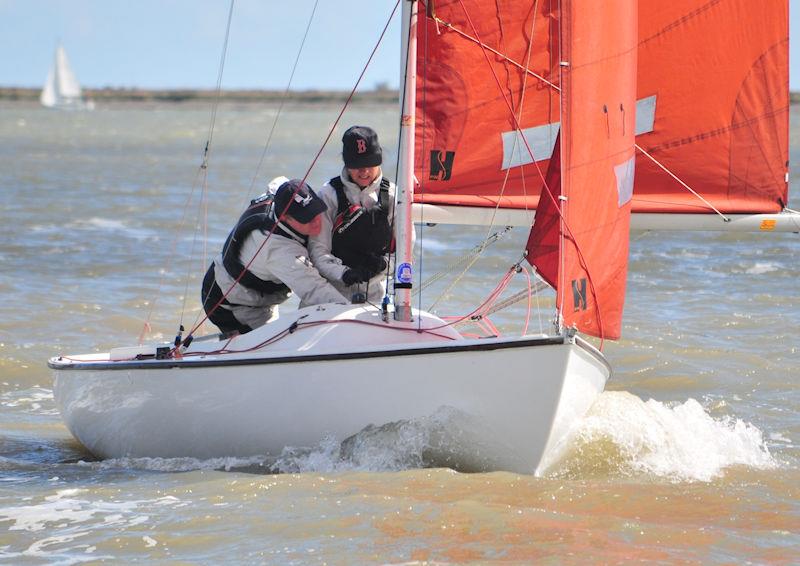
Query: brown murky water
column 690, row 456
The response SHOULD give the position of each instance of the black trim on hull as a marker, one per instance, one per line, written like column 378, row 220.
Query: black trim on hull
column 172, row 364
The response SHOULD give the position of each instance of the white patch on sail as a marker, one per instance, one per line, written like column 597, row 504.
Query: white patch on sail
column 645, row 114
column 541, row 139
column 624, row 173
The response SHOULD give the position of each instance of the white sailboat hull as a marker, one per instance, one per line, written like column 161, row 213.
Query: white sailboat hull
column 501, row 404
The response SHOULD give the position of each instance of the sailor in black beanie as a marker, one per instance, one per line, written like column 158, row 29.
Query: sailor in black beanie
column 352, row 249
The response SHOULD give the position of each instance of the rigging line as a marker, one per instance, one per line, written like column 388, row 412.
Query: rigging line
column 353, row 91
column 493, row 296
column 218, row 88
column 516, row 138
column 545, row 187
column 460, row 261
column 536, row 296
column 202, row 168
column 684, row 185
column 198, row 225
column 470, row 259
column 527, row 71
column 206, row 151
column 508, row 171
column 308, row 171
column 505, row 98
column 532, row 289
column 518, row 120
column 474, row 258
column 528, row 310
column 174, row 247
column 298, row 326
column 477, row 314
column 523, row 68
column 284, row 97
column 522, row 93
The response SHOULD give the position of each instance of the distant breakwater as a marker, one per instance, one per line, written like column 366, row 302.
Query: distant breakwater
column 382, row 96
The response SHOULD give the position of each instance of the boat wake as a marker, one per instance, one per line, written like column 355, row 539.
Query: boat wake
column 434, row 441
column 621, row 436
column 625, row 436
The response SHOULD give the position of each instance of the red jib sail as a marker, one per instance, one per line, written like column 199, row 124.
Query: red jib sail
column 588, row 213
column 712, row 103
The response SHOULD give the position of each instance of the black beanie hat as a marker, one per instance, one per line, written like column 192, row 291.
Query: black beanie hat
column 360, row 148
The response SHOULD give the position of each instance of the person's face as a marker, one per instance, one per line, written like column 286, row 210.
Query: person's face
column 312, row 228
column 364, row 176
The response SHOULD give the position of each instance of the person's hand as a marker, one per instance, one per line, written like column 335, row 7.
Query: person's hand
column 355, row 275
column 375, row 264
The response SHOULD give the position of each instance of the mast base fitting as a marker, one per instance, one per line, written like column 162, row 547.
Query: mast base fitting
column 402, row 313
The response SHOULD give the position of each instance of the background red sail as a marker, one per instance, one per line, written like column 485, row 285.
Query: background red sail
column 591, row 211
column 712, row 89
column 719, row 72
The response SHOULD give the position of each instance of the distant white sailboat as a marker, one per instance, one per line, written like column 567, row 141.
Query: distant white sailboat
column 62, row 90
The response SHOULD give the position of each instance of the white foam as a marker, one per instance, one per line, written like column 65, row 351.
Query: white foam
column 70, row 514
column 779, row 437
column 762, row 267
column 98, row 224
column 149, row 542
column 30, row 400
column 174, row 464
column 680, row 442
column 400, row 445
column 392, row 447
column 66, row 507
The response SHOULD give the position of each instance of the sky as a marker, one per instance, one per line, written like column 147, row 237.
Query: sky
column 172, row 44
column 165, row 44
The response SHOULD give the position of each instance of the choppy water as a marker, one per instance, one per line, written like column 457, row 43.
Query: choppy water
column 690, row 456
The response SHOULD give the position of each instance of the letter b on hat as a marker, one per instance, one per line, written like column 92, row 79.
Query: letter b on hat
column 360, row 148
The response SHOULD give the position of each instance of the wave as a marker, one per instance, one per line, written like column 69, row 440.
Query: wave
column 623, row 435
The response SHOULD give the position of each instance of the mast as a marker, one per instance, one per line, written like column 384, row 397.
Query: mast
column 403, row 276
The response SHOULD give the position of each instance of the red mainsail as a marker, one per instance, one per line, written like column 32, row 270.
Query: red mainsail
column 712, row 103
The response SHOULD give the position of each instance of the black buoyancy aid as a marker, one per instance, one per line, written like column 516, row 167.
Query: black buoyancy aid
column 256, row 217
column 358, row 232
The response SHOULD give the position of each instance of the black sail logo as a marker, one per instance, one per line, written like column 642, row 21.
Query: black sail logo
column 441, row 165
column 579, row 294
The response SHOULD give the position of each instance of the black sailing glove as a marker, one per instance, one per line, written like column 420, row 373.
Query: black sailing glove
column 355, row 275
column 374, row 264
